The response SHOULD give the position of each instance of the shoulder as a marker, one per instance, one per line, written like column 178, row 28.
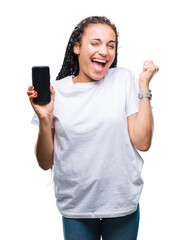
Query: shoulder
column 61, row 83
column 120, row 71
column 122, row 74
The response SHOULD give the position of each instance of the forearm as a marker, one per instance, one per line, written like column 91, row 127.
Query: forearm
column 141, row 124
column 45, row 145
column 143, row 128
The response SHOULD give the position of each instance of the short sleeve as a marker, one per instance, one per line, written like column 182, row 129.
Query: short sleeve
column 132, row 100
column 35, row 120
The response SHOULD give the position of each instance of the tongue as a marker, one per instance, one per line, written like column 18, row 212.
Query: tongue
column 98, row 66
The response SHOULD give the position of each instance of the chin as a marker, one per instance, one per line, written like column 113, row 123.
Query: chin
column 98, row 76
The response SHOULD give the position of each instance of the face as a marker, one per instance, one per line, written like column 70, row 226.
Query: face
column 96, row 52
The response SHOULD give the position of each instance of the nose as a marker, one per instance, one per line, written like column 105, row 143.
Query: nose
column 103, row 50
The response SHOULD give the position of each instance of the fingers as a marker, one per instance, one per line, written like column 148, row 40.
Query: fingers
column 52, row 93
column 31, row 93
column 150, row 67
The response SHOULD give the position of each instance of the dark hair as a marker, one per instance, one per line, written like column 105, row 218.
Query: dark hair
column 70, row 64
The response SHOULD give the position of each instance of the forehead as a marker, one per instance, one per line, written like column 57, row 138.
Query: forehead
column 101, row 31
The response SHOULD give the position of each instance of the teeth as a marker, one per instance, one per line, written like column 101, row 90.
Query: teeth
column 98, row 60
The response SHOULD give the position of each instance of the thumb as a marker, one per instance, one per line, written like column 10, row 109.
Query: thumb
column 52, row 93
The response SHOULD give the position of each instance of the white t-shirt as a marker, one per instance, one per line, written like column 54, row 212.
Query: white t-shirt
column 97, row 170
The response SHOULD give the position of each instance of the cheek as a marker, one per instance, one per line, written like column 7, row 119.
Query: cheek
column 114, row 54
column 86, row 54
column 112, row 57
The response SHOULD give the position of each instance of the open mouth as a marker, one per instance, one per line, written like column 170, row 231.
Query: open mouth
column 98, row 64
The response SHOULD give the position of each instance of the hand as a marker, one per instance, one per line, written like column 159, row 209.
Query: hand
column 149, row 68
column 43, row 111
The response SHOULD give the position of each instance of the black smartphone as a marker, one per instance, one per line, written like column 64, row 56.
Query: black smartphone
column 41, row 83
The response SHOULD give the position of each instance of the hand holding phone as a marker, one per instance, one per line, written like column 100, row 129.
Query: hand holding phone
column 45, row 106
column 41, row 83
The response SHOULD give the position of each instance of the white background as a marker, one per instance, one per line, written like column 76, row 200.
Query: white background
column 36, row 32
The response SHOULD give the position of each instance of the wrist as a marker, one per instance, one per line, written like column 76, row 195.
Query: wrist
column 144, row 87
column 142, row 95
column 45, row 121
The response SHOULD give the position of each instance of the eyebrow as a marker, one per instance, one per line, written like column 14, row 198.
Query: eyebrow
column 98, row 39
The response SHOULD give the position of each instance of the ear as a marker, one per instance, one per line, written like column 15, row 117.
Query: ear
column 76, row 48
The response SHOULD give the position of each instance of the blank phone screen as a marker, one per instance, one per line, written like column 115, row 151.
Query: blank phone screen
column 41, row 83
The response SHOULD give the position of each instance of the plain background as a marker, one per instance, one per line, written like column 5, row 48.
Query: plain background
column 36, row 32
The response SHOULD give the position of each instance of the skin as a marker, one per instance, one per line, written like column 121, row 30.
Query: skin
column 140, row 125
column 98, row 43
column 46, row 133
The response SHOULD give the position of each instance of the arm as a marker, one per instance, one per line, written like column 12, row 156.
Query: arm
column 45, row 141
column 140, row 125
column 45, row 145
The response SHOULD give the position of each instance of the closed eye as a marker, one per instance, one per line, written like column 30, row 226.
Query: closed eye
column 111, row 46
column 94, row 43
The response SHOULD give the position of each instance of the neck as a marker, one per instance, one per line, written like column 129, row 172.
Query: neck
column 82, row 78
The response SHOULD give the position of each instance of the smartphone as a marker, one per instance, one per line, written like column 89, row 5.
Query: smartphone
column 41, row 83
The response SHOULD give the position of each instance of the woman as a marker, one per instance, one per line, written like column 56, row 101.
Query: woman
column 90, row 132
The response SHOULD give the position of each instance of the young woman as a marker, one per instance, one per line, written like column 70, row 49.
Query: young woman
column 91, row 131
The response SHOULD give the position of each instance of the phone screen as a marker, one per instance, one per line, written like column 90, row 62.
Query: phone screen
column 41, row 83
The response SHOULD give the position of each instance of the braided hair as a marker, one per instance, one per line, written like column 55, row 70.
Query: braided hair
column 70, row 64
